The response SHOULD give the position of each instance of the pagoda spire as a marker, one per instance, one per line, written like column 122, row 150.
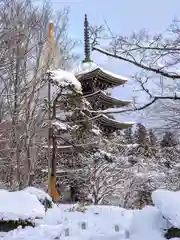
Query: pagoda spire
column 87, row 47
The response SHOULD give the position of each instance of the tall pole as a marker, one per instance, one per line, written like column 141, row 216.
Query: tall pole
column 50, row 36
column 49, row 133
column 51, row 159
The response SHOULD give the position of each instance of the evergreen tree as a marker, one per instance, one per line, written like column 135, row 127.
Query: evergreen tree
column 169, row 140
column 129, row 135
column 141, row 135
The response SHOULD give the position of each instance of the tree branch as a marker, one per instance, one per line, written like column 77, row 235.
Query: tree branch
column 154, row 99
column 148, row 68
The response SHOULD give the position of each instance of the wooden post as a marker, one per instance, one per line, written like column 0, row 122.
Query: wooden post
column 55, row 194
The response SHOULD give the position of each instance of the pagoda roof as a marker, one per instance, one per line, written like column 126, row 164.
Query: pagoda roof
column 102, row 96
column 109, row 122
column 89, row 70
column 73, row 148
column 65, row 170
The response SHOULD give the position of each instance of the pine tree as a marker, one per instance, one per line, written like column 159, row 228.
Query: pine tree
column 141, row 135
column 168, row 140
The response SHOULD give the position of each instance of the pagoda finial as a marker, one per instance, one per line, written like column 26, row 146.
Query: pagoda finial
column 87, row 48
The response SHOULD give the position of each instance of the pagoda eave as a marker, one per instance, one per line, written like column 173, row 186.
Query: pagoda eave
column 103, row 75
column 101, row 97
column 111, row 123
column 65, row 171
column 72, row 148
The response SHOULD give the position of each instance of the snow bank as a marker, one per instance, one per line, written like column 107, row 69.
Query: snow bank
column 40, row 194
column 20, row 205
column 98, row 220
column 148, row 224
column 168, row 203
column 37, row 233
column 46, row 232
column 96, row 223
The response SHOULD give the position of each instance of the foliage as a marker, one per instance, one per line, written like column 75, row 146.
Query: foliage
column 169, row 140
column 141, row 134
column 172, row 233
column 129, row 135
column 79, row 207
column 6, row 226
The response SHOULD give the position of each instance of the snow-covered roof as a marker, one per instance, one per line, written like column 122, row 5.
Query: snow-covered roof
column 65, row 170
column 102, row 96
column 60, row 125
column 106, row 121
column 96, row 131
column 90, row 69
column 67, row 148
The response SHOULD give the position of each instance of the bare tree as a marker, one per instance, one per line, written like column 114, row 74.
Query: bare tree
column 104, row 181
column 25, row 62
column 156, row 58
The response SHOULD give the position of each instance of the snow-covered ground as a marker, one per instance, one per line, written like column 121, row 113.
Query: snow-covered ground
column 96, row 222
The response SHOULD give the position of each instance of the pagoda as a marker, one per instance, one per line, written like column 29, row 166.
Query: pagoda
column 95, row 81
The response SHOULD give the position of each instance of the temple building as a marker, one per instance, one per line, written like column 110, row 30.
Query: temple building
column 95, row 81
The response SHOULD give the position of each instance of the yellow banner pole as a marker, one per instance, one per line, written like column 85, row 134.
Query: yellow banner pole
column 50, row 35
column 51, row 174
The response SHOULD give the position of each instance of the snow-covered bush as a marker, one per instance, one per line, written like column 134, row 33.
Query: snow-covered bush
column 42, row 196
column 78, row 207
column 167, row 202
column 19, row 208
